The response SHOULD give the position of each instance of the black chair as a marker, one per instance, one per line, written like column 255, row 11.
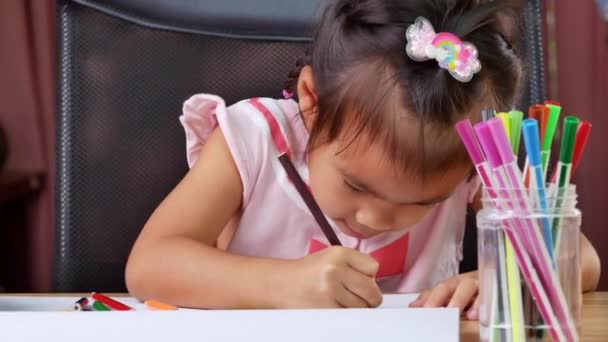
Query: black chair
column 125, row 68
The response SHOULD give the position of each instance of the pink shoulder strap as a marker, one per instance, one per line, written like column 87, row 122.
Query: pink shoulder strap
column 275, row 130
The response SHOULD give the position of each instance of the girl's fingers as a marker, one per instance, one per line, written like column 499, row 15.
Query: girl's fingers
column 440, row 295
column 464, row 295
column 473, row 312
column 347, row 299
column 419, row 302
column 363, row 287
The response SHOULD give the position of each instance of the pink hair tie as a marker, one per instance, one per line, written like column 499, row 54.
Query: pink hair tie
column 287, row 94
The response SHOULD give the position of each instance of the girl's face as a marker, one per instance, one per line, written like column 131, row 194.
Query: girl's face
column 364, row 194
column 358, row 188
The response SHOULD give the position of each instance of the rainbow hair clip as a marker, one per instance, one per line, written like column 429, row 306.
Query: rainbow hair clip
column 452, row 54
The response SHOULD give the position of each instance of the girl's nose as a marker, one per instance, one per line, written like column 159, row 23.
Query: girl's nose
column 376, row 217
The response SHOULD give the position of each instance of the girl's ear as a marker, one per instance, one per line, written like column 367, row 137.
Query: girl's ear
column 307, row 97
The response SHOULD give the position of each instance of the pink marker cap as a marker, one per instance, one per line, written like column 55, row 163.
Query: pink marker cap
column 502, row 142
column 467, row 135
column 487, row 143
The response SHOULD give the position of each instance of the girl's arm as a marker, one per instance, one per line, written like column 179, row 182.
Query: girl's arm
column 590, row 265
column 174, row 258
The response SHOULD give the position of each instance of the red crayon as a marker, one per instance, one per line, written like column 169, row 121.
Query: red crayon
column 111, row 303
column 582, row 135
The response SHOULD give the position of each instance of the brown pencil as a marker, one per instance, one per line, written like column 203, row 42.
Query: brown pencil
column 309, row 200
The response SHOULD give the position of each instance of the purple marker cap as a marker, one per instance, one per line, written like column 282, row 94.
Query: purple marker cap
column 502, row 142
column 467, row 135
column 487, row 143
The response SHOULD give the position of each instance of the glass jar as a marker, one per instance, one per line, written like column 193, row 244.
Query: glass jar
column 508, row 222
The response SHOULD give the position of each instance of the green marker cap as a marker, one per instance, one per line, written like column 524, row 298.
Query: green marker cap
column 568, row 139
column 551, row 126
column 516, row 119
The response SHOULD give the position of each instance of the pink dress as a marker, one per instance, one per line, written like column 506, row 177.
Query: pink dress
column 275, row 221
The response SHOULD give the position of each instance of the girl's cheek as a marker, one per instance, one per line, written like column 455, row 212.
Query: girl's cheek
column 408, row 218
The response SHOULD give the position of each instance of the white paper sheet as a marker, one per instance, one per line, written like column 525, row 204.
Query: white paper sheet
column 398, row 301
column 25, row 303
column 394, row 322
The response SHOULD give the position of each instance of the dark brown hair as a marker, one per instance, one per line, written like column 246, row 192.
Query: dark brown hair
column 365, row 80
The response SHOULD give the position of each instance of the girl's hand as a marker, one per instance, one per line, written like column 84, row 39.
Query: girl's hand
column 458, row 292
column 334, row 277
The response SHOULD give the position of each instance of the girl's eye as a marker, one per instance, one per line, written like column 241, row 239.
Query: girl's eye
column 352, row 187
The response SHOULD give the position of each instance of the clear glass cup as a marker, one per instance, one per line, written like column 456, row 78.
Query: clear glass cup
column 501, row 284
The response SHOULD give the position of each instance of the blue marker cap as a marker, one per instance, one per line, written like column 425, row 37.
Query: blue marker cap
column 529, row 130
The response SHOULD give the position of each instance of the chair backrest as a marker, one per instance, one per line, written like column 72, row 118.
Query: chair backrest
column 125, row 68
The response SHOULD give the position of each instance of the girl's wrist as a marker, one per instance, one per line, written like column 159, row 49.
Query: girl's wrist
column 281, row 278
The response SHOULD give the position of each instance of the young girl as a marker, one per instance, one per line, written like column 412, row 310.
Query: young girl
column 372, row 135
